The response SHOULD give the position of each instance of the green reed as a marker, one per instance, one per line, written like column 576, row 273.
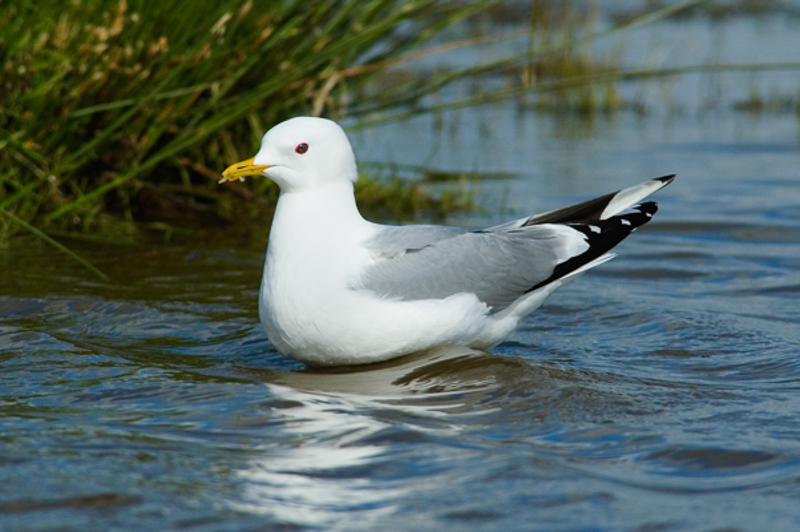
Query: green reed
column 119, row 110
column 104, row 101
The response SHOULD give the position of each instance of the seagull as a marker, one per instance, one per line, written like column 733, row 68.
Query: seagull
column 340, row 290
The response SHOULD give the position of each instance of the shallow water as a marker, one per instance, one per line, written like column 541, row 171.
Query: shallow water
column 657, row 392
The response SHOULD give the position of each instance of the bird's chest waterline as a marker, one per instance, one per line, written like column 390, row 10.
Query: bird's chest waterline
column 307, row 303
column 307, row 281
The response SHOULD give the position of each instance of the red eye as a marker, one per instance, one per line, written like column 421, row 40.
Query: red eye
column 301, row 148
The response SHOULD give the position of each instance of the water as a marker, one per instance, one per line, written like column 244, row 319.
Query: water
column 657, row 392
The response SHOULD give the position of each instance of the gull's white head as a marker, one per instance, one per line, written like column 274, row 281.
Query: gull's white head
column 299, row 154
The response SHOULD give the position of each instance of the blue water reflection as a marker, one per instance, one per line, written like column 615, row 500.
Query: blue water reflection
column 658, row 392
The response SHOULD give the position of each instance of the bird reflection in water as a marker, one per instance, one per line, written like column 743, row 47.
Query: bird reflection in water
column 348, row 437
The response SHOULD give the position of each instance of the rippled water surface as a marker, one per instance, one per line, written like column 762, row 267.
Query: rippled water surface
column 660, row 391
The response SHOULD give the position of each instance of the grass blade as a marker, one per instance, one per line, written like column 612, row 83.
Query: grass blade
column 71, row 254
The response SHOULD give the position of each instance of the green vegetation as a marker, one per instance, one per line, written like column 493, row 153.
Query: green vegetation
column 112, row 111
column 115, row 111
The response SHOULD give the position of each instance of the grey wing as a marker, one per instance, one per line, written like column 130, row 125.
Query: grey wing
column 504, row 262
column 497, row 267
column 391, row 240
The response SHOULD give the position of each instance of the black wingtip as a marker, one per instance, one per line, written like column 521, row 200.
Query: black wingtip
column 648, row 209
column 602, row 236
column 587, row 211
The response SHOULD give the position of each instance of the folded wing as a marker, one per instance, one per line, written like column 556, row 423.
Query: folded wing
column 503, row 263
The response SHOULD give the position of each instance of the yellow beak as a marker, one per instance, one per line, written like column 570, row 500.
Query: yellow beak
column 241, row 170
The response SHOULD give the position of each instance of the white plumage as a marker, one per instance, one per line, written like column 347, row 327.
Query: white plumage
column 338, row 289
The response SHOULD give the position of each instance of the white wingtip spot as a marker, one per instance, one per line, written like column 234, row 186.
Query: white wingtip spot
column 594, row 229
column 625, row 222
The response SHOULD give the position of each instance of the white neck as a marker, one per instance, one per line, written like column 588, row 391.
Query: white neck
column 311, row 226
column 321, row 209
